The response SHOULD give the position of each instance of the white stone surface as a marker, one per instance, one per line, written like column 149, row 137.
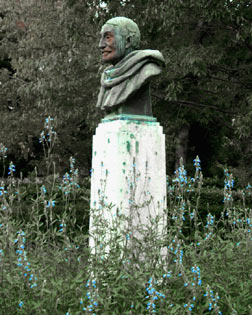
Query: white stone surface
column 128, row 169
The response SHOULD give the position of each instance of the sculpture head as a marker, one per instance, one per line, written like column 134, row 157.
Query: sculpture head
column 119, row 36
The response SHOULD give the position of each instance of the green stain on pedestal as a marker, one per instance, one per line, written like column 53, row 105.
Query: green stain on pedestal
column 108, row 140
column 124, row 163
column 123, row 171
column 155, row 153
column 94, row 152
column 137, row 146
column 128, row 146
column 134, row 118
column 132, row 136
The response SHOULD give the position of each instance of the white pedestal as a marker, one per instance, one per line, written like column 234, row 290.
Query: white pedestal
column 128, row 170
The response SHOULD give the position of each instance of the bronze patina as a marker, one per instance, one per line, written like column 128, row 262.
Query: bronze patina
column 125, row 83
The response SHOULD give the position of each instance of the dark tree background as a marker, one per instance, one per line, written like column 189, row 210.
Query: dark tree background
column 50, row 66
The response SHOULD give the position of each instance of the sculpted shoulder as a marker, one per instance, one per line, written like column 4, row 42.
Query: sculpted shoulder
column 151, row 70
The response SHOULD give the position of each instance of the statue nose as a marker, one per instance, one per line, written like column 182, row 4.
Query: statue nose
column 102, row 44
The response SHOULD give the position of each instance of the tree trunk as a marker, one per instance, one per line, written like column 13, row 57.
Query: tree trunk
column 181, row 146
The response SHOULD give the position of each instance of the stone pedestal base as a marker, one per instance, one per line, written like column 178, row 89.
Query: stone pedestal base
column 128, row 176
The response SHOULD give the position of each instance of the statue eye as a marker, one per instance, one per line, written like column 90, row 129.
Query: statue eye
column 108, row 36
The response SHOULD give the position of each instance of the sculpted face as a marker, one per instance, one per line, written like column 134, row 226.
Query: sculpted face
column 112, row 45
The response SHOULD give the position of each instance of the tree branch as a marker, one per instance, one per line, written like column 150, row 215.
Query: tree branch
column 186, row 103
column 193, row 104
column 229, row 81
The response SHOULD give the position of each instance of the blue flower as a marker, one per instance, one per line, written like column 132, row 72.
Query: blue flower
column 43, row 189
column 50, row 203
column 197, row 163
column 11, row 168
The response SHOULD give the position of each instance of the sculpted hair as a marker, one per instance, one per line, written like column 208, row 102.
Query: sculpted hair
column 126, row 27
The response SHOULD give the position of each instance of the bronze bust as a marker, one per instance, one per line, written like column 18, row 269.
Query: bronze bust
column 125, row 85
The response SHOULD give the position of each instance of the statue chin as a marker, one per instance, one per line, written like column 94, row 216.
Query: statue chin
column 112, row 58
column 111, row 61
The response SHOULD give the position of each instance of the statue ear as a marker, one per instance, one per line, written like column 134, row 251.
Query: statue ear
column 128, row 41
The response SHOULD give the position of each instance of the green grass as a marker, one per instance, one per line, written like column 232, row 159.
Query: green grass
column 46, row 266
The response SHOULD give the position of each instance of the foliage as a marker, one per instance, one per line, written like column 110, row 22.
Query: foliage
column 46, row 266
column 206, row 84
column 52, row 69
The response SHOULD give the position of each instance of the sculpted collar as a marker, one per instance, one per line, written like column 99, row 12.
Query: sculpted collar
column 130, row 65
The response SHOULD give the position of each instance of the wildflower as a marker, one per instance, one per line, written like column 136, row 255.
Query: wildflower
column 128, row 236
column 181, row 256
column 168, row 275
column 191, row 307
column 11, row 168
column 70, row 181
column 229, row 182
column 196, row 270
column 62, row 225
column 21, row 303
column 47, row 119
column 208, row 235
column 192, row 214
column 43, row 189
column 91, row 295
column 197, row 163
column 228, row 185
column 42, row 137
column 181, row 177
column 153, row 295
column 50, row 203
column 2, row 191
column 210, row 220
column 22, row 258
column 48, row 129
column 211, row 298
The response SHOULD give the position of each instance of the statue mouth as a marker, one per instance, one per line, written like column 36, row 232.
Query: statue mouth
column 106, row 52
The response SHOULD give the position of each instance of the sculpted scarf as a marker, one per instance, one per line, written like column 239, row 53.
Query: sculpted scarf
column 120, row 81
